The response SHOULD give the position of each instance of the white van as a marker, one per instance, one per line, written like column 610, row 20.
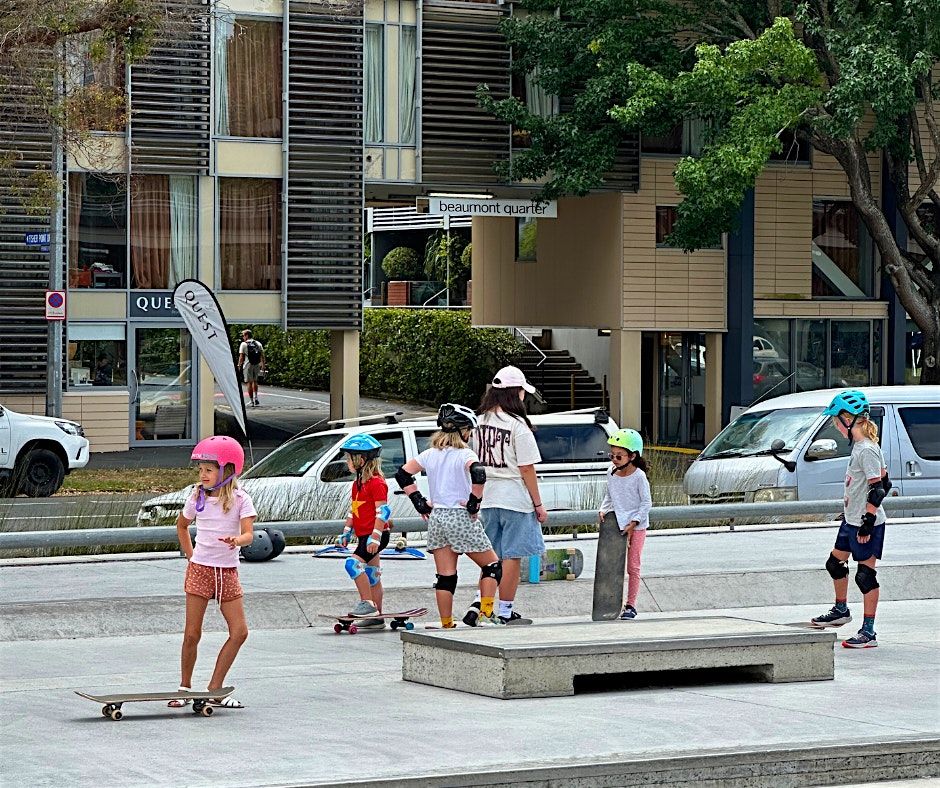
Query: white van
column 739, row 465
column 307, row 477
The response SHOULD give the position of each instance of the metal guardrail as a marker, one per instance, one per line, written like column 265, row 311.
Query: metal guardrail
column 93, row 537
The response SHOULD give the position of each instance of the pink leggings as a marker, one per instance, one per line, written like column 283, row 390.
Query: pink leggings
column 634, row 551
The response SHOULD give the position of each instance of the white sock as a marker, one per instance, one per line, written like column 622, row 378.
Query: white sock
column 505, row 609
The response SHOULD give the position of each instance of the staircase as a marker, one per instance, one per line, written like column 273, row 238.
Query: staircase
column 553, row 379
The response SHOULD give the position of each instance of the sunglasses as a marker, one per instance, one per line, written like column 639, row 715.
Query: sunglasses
column 617, row 457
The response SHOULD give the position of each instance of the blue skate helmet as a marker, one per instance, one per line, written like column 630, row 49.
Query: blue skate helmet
column 362, row 443
column 850, row 401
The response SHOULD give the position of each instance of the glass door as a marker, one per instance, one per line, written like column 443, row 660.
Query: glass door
column 161, row 385
column 682, row 389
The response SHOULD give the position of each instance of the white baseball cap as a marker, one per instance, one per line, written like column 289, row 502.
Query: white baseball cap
column 512, row 377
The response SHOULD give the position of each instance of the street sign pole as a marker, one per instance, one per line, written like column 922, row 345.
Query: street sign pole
column 55, row 327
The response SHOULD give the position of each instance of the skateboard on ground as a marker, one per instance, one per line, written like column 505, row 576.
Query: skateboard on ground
column 560, row 563
column 111, row 704
column 608, row 571
column 346, row 622
column 400, row 549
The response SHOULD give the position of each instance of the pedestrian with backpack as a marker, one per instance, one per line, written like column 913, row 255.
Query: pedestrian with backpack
column 252, row 363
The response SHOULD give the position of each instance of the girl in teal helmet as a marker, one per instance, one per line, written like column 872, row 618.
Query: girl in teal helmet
column 628, row 497
column 862, row 531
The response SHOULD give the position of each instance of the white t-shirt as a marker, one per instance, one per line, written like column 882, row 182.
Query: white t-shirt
column 503, row 443
column 243, row 351
column 629, row 498
column 865, row 462
column 448, row 477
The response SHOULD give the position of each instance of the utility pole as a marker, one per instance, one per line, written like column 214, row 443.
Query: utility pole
column 55, row 327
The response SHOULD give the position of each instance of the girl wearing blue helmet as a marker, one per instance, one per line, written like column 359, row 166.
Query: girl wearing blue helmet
column 862, row 531
column 368, row 518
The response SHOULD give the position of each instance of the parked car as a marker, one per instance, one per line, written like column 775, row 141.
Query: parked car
column 307, row 477
column 738, row 465
column 36, row 452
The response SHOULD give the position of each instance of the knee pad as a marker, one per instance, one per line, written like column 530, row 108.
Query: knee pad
column 837, row 569
column 494, row 570
column 446, row 583
column 374, row 574
column 354, row 567
column 866, row 578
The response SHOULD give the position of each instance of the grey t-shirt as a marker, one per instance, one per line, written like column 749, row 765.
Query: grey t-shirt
column 865, row 462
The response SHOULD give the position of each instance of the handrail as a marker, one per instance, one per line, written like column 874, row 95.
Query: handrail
column 521, row 333
column 442, row 290
column 92, row 537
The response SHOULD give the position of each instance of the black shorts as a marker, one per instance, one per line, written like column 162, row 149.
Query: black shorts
column 847, row 541
column 364, row 554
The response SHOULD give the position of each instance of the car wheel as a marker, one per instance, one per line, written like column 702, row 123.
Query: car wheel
column 42, row 474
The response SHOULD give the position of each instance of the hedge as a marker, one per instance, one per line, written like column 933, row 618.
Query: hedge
column 417, row 355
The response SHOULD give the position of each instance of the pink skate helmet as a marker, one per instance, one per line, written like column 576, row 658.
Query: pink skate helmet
column 222, row 450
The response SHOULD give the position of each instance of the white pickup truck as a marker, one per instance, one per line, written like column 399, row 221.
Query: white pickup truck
column 37, row 451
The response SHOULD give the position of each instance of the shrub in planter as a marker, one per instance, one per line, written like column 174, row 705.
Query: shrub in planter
column 402, row 264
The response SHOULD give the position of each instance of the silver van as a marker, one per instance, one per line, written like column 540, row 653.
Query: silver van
column 307, row 478
column 739, row 465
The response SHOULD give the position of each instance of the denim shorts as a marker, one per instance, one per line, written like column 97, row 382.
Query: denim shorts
column 513, row 534
column 847, row 541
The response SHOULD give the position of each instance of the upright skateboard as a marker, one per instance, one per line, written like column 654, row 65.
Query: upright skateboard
column 347, row 623
column 559, row 563
column 111, row 704
column 608, row 572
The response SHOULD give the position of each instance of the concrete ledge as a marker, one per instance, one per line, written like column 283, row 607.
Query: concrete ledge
column 537, row 662
column 794, row 766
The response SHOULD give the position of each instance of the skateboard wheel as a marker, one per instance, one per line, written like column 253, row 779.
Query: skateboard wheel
column 207, row 711
column 400, row 545
column 353, row 629
column 116, row 714
column 106, row 711
column 337, row 628
column 409, row 625
column 395, row 625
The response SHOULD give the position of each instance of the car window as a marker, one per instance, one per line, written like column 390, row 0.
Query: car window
column 393, row 456
column 752, row 433
column 923, row 428
column 423, row 440
column 294, row 458
column 560, row 443
column 829, row 431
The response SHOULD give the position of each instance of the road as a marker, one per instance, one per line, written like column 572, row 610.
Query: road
column 85, row 511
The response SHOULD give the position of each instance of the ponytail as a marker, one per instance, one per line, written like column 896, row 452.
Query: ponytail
column 870, row 430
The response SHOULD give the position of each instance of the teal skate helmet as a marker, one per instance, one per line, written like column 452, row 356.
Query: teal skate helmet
column 850, row 401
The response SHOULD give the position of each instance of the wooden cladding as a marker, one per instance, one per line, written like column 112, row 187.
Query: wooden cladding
column 170, row 95
column 24, row 268
column 324, row 179
column 462, row 48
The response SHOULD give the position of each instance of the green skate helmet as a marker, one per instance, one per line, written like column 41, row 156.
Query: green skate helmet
column 627, row 439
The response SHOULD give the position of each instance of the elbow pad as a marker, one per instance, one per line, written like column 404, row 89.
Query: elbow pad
column 876, row 493
column 478, row 473
column 404, row 478
column 886, row 483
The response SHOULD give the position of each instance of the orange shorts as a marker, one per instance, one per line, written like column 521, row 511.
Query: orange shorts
column 212, row 582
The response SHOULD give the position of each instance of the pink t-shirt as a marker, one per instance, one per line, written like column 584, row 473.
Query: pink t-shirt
column 212, row 523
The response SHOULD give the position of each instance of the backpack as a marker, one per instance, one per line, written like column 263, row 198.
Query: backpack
column 253, row 352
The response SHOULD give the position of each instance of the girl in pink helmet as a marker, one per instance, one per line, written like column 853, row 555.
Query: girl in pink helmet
column 224, row 516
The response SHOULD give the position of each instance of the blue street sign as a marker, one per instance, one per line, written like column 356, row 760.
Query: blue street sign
column 36, row 239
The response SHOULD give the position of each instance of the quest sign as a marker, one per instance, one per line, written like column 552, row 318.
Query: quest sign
column 509, row 209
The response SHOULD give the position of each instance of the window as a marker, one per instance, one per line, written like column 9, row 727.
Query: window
column 850, row 353
column 559, row 443
column 809, row 351
column 842, row 252
column 163, row 230
column 94, row 84
column 684, row 139
column 248, row 77
column 923, row 428
column 528, row 89
column 97, row 355
column 393, row 457
column 794, row 149
column 829, row 431
column 294, row 458
column 97, row 231
column 374, row 83
column 929, row 216
column 407, row 64
column 771, row 357
column 250, row 233
column 526, row 240
column 666, row 218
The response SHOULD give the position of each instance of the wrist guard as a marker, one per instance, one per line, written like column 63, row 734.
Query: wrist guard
column 473, row 504
column 420, row 503
column 868, row 524
column 344, row 538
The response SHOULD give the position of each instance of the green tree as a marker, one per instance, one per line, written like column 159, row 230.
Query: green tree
column 402, row 263
column 851, row 77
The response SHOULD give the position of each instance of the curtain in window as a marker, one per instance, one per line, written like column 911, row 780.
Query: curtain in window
column 150, row 232
column 837, row 264
column 538, row 101
column 666, row 218
column 373, row 82
column 77, row 278
column 406, row 88
column 224, row 30
column 253, row 74
column 182, row 229
column 250, row 233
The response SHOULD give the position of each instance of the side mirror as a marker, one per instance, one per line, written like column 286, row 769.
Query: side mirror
column 824, row 449
column 335, row 471
column 775, row 448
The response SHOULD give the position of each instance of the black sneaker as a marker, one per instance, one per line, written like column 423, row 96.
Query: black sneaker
column 472, row 616
column 862, row 640
column 834, row 618
column 515, row 619
column 628, row 613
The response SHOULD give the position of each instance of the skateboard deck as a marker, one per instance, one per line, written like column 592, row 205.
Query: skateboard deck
column 608, row 571
column 111, row 704
column 559, row 563
column 400, row 550
column 348, row 623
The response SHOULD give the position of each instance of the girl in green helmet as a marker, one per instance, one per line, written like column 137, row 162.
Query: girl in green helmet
column 628, row 497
